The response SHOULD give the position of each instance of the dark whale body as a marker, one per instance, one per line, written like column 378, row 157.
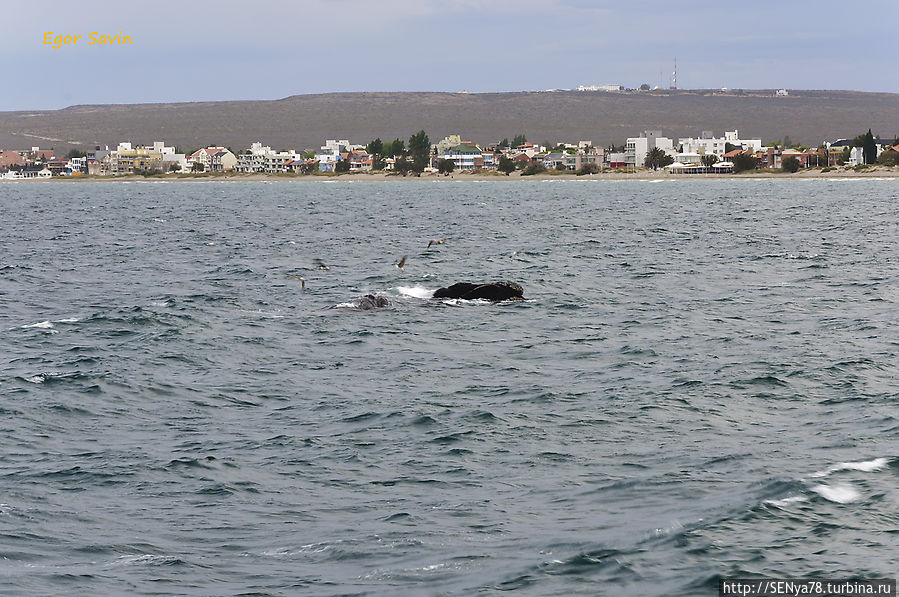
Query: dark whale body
column 372, row 301
column 493, row 291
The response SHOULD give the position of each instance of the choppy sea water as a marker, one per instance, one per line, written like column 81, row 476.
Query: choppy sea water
column 701, row 383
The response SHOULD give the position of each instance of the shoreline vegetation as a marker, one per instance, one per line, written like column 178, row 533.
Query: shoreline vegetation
column 873, row 171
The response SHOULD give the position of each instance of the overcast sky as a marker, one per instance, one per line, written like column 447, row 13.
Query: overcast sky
column 240, row 49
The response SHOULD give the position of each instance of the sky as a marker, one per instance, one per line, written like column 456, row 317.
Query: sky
column 238, row 49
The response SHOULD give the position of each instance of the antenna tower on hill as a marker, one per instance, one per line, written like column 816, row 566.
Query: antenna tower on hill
column 674, row 75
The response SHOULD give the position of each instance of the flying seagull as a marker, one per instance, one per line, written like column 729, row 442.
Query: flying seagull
column 300, row 278
column 320, row 264
column 402, row 264
column 436, row 242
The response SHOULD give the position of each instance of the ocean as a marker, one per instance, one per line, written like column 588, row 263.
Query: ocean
column 699, row 384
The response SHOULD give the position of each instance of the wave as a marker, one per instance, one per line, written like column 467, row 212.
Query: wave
column 867, row 466
column 841, row 494
column 415, row 291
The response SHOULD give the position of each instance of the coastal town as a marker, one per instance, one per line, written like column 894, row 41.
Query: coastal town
column 650, row 150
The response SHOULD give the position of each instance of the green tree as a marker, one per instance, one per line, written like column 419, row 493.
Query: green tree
column 657, row 158
column 445, row 166
column 395, row 148
column 889, row 158
column 534, row 168
column 419, row 150
column 403, row 166
column 506, row 165
column 519, row 139
column 588, row 168
column 504, row 144
column 744, row 161
column 342, row 166
column 376, row 147
column 644, row 87
column 791, row 164
column 709, row 160
column 869, row 148
column 844, row 155
column 197, row 167
column 729, row 147
column 74, row 153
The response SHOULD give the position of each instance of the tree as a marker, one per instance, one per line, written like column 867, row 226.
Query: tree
column 506, row 165
column 395, row 148
column 403, row 166
column 74, row 153
column 519, row 139
column 744, row 161
column 644, row 87
column 729, row 147
column 588, row 168
column 504, row 144
column 376, row 147
column 419, row 150
column 445, row 166
column 869, row 148
column 889, row 158
column 787, row 141
column 342, row 166
column 844, row 155
column 657, row 158
column 534, row 168
column 197, row 167
column 791, row 164
column 709, row 160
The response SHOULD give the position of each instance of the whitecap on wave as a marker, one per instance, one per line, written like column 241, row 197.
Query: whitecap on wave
column 841, row 494
column 41, row 324
column 787, row 501
column 415, row 291
column 866, row 466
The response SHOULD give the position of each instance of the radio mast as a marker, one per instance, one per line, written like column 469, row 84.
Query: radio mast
column 674, row 75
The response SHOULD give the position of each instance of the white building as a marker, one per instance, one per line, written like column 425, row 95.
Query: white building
column 600, row 88
column 342, row 146
column 261, row 158
column 636, row 148
column 733, row 137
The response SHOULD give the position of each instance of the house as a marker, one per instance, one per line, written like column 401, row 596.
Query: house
column 359, row 161
column 616, row 160
column 214, row 159
column 77, row 165
column 528, row 149
column 802, row 156
column 222, row 161
column 327, row 162
column 733, row 137
column 465, row 156
column 444, row 144
column 57, row 167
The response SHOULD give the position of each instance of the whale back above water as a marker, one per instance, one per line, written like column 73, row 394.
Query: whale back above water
column 492, row 291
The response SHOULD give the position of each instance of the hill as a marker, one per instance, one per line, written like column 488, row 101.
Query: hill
column 305, row 121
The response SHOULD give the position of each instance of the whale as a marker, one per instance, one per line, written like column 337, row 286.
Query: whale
column 491, row 291
column 370, row 302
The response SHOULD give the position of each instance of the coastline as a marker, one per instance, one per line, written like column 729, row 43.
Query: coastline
column 644, row 175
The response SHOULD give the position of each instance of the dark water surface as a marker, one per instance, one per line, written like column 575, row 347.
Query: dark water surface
column 701, row 383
